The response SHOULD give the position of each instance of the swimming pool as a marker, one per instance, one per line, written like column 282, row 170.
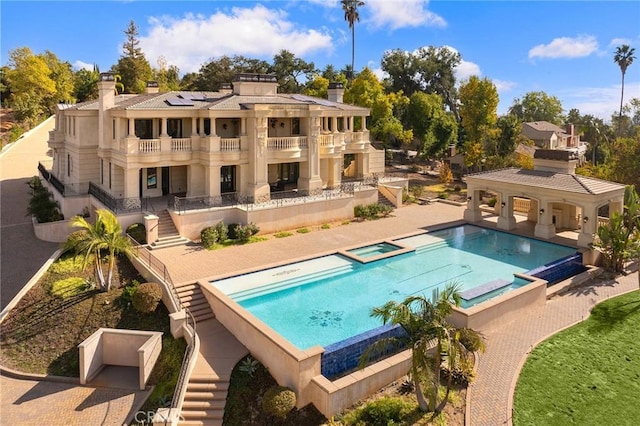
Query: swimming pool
column 328, row 299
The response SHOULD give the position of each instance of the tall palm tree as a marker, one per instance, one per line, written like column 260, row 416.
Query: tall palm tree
column 430, row 336
column 623, row 57
column 92, row 240
column 351, row 15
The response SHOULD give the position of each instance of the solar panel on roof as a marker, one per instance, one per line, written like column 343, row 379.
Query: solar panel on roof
column 304, row 98
column 180, row 102
column 192, row 96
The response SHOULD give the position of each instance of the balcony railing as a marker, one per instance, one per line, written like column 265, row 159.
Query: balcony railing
column 148, row 146
column 325, row 140
column 51, row 178
column 181, row 144
column 229, row 144
column 286, row 143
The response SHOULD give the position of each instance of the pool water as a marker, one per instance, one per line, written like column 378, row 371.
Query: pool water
column 329, row 299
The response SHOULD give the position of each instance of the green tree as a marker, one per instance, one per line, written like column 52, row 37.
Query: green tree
column 352, row 15
column 213, row 74
column 288, row 69
column 30, row 83
column 615, row 239
column 538, row 106
column 400, row 66
column 93, row 240
column 426, row 325
column 478, row 108
column 133, row 67
column 624, row 164
column 62, row 75
column 167, row 76
column 623, row 57
column 317, row 86
column 367, row 91
column 42, row 205
column 85, row 84
column 510, row 128
column 434, row 127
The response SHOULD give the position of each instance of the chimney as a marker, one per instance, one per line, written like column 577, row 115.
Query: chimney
column 152, row 87
column 335, row 92
column 106, row 101
column 250, row 84
column 570, row 130
column 226, row 89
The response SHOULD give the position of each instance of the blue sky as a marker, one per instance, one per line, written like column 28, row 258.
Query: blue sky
column 564, row 48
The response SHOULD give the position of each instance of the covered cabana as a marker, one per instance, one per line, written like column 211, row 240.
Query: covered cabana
column 553, row 197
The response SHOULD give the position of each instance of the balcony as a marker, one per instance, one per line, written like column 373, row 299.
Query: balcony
column 284, row 148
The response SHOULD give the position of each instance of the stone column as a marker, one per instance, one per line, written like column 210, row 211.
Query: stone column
column 151, row 226
column 507, row 220
column 545, row 227
column 473, row 213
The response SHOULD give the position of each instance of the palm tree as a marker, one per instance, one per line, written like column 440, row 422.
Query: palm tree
column 92, row 240
column 624, row 57
column 351, row 15
column 431, row 337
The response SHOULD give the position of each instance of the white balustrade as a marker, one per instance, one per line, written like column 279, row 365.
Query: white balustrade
column 286, row 143
column 181, row 144
column 325, row 141
column 148, row 146
column 229, row 144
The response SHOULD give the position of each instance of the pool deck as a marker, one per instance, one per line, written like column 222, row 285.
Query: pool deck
column 490, row 395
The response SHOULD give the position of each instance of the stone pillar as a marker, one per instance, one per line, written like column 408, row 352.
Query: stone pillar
column 212, row 181
column 194, row 126
column 163, row 127
column 473, row 213
column 132, row 127
column 151, row 225
column 545, row 227
column 309, row 179
column 132, row 183
column 507, row 220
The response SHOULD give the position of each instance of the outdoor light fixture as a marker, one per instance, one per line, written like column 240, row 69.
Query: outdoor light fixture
column 585, row 220
column 468, row 198
column 541, row 211
column 503, row 204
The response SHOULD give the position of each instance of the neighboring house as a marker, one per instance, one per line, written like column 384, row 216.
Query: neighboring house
column 549, row 136
column 239, row 146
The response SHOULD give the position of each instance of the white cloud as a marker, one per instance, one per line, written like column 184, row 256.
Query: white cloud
column 400, row 14
column 598, row 101
column 566, row 47
column 466, row 69
column 618, row 42
column 257, row 32
column 325, row 3
column 79, row 65
column 504, row 85
column 374, row 66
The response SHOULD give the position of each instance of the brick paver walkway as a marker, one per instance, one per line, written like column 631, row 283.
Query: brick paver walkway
column 497, row 369
column 26, row 402
column 21, row 253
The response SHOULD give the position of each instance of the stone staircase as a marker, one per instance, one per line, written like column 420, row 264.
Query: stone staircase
column 193, row 300
column 384, row 200
column 204, row 401
column 168, row 235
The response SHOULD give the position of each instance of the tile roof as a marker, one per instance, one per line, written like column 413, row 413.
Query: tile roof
column 550, row 180
column 214, row 101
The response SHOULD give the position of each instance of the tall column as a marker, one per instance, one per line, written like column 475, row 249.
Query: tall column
column 131, row 183
column 212, row 181
column 507, row 220
column 309, row 179
column 163, row 127
column 473, row 213
column 194, row 126
column 132, row 127
column 589, row 225
column 545, row 227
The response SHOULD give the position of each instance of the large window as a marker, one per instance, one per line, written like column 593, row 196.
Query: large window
column 152, row 178
column 144, row 129
column 174, row 127
column 227, row 179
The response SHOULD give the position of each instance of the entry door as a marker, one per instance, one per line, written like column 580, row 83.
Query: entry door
column 165, row 181
column 227, row 179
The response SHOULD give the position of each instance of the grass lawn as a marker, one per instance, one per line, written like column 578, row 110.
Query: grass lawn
column 588, row 374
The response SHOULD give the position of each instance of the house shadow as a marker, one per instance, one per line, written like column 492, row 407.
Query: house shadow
column 606, row 316
column 592, row 287
column 43, row 389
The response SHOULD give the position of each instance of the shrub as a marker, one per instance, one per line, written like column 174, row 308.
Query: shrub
column 146, row 297
column 138, row 232
column 325, row 226
column 457, row 188
column 222, row 231
column 282, row 234
column 492, row 202
column 446, row 176
column 278, row 401
column 243, row 233
column 67, row 264
column 42, row 205
column 303, row 231
column 253, row 228
column 128, row 292
column 383, row 412
column 416, row 190
column 231, row 231
column 372, row 211
column 69, row 287
column 209, row 237
column 249, row 366
column 443, row 195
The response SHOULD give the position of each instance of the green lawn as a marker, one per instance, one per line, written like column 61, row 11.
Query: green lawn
column 588, row 374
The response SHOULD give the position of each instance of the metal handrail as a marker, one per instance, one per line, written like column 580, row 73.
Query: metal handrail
column 160, row 268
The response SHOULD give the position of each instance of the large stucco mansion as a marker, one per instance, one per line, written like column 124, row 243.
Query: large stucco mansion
column 232, row 152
